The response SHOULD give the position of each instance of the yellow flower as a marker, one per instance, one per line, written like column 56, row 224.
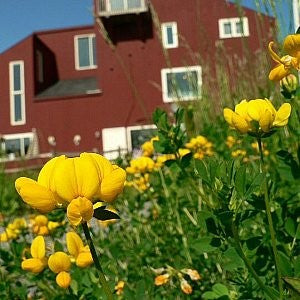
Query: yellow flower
column 200, row 146
column 261, row 111
column 186, row 287
column 148, row 147
column 119, row 287
column 81, row 253
column 285, row 64
column 81, row 180
column 140, row 165
column 60, row 263
column 230, row 141
column 161, row 159
column 161, row 279
column 40, row 223
column 37, row 263
column 194, row 275
column 12, row 231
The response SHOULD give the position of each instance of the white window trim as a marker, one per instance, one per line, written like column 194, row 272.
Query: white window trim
column 164, row 82
column 164, row 35
column 90, row 36
column 20, row 92
column 234, row 33
column 137, row 127
column 15, row 136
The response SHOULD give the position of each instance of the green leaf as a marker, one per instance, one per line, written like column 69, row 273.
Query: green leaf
column 240, row 180
column 290, row 227
column 253, row 242
column 231, row 260
column 255, row 184
column 204, row 245
column 209, row 295
column 285, row 264
column 104, row 215
column 220, row 290
column 293, row 283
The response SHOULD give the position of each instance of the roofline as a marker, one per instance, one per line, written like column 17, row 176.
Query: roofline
column 63, row 29
column 48, row 31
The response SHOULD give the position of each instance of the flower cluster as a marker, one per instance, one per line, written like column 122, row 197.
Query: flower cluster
column 231, row 141
column 75, row 183
column 58, row 262
column 287, row 63
column 200, row 146
column 257, row 116
column 148, row 148
column 166, row 274
column 42, row 226
column 13, row 230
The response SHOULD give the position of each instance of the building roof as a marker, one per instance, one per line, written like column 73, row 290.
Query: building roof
column 71, row 87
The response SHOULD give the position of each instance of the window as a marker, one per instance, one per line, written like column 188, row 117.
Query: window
column 119, row 140
column 169, row 35
column 16, row 145
column 138, row 135
column 233, row 27
column 17, row 93
column 183, row 83
column 85, row 52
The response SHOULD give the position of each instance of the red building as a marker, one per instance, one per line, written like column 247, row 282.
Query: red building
column 94, row 88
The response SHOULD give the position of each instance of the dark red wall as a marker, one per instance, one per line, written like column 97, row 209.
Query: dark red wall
column 129, row 76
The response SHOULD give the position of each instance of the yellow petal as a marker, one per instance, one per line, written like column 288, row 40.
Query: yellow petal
column 227, row 112
column 76, row 177
column 33, row 265
column 63, row 279
column 41, row 220
column 256, row 108
column 84, row 259
column 46, row 175
column 278, row 72
column 242, row 108
column 59, row 262
column 240, row 123
column 74, row 243
column 102, row 164
column 35, row 195
column 38, row 248
column 80, row 210
column 112, row 184
column 282, row 115
column 266, row 121
column 291, row 44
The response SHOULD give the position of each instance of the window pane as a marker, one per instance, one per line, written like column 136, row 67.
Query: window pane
column 116, row 5
column 227, row 28
column 170, row 39
column 182, row 84
column 134, row 4
column 83, row 52
column 94, row 58
column 139, row 136
column 13, row 146
column 17, row 77
column 239, row 27
column 18, row 107
column 26, row 144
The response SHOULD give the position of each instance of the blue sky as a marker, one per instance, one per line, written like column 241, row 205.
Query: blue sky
column 19, row 18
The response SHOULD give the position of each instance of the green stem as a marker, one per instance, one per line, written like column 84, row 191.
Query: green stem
column 247, row 262
column 96, row 261
column 269, row 217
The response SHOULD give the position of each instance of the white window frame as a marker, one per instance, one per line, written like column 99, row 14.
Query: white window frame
column 90, row 36
column 164, row 35
column 20, row 92
column 137, row 127
column 15, row 136
column 234, row 33
column 164, row 82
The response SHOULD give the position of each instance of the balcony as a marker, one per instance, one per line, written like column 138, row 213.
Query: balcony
column 109, row 8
